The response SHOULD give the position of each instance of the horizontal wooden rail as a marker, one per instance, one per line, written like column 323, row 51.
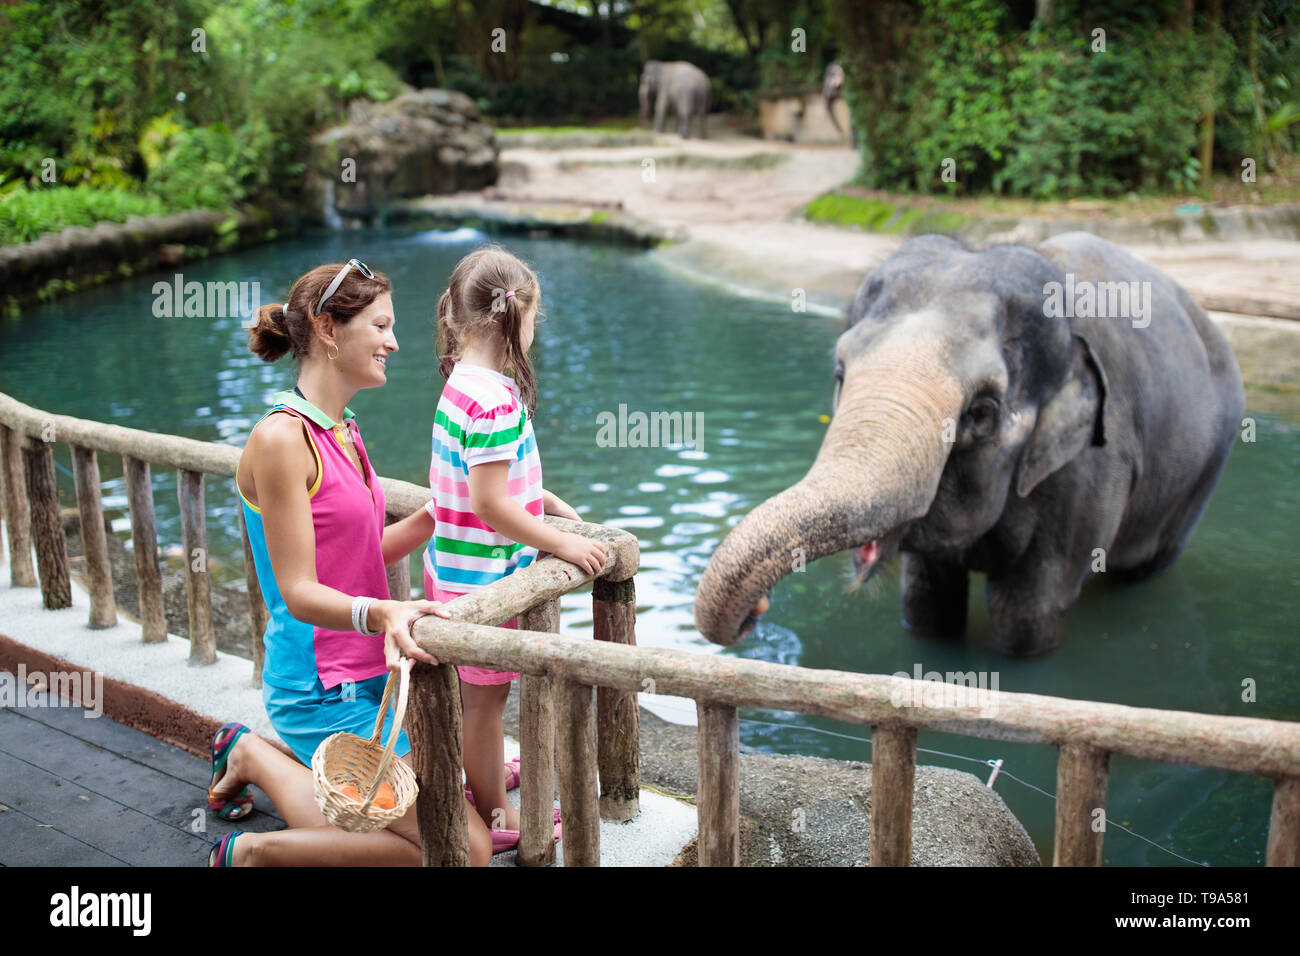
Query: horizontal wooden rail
column 1270, row 748
column 167, row 451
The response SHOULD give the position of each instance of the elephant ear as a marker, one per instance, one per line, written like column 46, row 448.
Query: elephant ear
column 1072, row 420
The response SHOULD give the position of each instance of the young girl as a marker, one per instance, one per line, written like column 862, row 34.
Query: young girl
column 486, row 477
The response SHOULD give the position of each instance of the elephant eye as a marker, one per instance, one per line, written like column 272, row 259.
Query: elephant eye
column 839, row 383
column 982, row 417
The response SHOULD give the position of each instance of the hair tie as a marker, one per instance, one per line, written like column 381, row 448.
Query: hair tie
column 510, row 293
column 281, row 317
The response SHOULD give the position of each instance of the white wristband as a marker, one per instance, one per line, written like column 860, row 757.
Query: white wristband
column 432, row 508
column 360, row 610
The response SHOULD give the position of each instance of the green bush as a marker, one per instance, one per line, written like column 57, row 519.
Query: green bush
column 209, row 167
column 1027, row 110
column 127, row 95
column 27, row 214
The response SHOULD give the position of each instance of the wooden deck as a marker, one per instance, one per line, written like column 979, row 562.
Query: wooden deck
column 78, row 791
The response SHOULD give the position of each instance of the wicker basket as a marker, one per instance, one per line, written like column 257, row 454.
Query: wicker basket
column 346, row 758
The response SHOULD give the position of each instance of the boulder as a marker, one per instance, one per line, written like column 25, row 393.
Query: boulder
column 420, row 143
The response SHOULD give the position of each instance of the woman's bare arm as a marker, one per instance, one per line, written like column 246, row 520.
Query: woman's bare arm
column 282, row 467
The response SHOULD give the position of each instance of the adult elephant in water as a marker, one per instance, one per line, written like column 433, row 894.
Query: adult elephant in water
column 992, row 413
column 682, row 84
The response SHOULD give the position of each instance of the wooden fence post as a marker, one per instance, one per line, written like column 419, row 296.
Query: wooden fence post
column 537, row 750
column 399, row 572
column 47, row 525
column 575, row 734
column 433, row 725
column 618, row 719
column 1284, row 824
column 718, row 797
column 94, row 540
column 144, row 544
column 257, row 611
column 198, row 589
column 399, row 580
column 1082, row 772
column 18, row 521
column 893, row 773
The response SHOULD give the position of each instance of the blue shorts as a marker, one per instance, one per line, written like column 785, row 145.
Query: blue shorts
column 304, row 718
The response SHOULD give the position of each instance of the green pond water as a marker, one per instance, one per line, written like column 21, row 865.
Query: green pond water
column 620, row 330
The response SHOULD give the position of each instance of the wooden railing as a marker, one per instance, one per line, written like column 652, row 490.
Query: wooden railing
column 578, row 714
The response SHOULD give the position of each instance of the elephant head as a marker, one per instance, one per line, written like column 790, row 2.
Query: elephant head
column 649, row 86
column 955, row 396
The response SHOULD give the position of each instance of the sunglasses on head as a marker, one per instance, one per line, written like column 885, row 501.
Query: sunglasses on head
column 338, row 280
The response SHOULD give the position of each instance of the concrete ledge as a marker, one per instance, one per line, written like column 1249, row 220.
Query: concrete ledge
column 79, row 255
column 134, row 706
column 569, row 221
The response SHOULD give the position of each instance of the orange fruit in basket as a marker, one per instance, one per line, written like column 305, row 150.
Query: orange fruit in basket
column 385, row 799
column 349, row 792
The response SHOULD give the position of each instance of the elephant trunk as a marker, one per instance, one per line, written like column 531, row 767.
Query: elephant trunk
column 878, row 469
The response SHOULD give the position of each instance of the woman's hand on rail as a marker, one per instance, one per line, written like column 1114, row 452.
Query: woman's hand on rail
column 395, row 619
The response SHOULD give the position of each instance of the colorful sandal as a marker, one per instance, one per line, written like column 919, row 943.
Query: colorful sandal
column 240, row 805
column 223, row 851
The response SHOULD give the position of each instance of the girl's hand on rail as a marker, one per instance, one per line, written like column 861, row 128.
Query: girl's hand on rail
column 586, row 553
column 396, row 618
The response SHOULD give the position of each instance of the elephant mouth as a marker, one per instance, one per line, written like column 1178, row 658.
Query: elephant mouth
column 872, row 556
column 867, row 560
column 751, row 620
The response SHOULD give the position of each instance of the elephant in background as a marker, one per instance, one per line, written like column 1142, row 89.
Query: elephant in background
column 682, row 84
column 979, row 425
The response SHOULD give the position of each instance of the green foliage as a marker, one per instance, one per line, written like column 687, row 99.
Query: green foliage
column 842, row 210
column 192, row 169
column 875, row 215
column 131, row 95
column 26, row 214
column 1039, row 111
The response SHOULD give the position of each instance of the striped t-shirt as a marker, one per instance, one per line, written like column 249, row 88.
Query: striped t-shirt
column 480, row 419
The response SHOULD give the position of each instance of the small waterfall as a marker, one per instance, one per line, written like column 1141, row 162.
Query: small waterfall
column 331, row 215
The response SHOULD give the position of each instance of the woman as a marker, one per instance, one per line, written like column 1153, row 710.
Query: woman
column 314, row 510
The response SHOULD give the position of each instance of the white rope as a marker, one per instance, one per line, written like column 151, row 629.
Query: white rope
column 999, row 768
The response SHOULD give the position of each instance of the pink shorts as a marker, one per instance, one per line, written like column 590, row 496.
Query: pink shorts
column 470, row 675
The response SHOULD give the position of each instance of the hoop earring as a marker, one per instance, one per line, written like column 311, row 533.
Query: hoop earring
column 335, row 355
